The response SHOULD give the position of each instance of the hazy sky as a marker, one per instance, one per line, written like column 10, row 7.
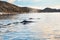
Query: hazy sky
column 36, row 3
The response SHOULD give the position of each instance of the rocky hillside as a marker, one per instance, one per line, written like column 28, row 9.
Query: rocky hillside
column 9, row 8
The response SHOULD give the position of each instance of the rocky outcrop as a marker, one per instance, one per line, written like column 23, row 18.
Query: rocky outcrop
column 11, row 8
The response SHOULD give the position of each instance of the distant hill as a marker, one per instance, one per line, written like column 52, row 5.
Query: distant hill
column 49, row 10
column 11, row 8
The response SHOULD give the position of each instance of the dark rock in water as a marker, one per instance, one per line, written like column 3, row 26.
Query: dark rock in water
column 9, row 24
column 26, row 22
column 30, row 18
column 15, row 22
column 34, row 18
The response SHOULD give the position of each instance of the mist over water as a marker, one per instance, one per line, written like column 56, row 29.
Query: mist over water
column 31, row 26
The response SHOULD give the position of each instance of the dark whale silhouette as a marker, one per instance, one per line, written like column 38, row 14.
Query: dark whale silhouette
column 26, row 22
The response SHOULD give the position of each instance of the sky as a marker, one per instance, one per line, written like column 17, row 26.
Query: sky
column 36, row 3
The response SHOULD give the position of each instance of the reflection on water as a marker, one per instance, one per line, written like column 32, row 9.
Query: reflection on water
column 35, row 26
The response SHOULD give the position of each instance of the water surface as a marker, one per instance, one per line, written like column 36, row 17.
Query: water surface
column 39, row 26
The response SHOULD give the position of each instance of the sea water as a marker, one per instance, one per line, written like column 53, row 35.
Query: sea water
column 42, row 26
